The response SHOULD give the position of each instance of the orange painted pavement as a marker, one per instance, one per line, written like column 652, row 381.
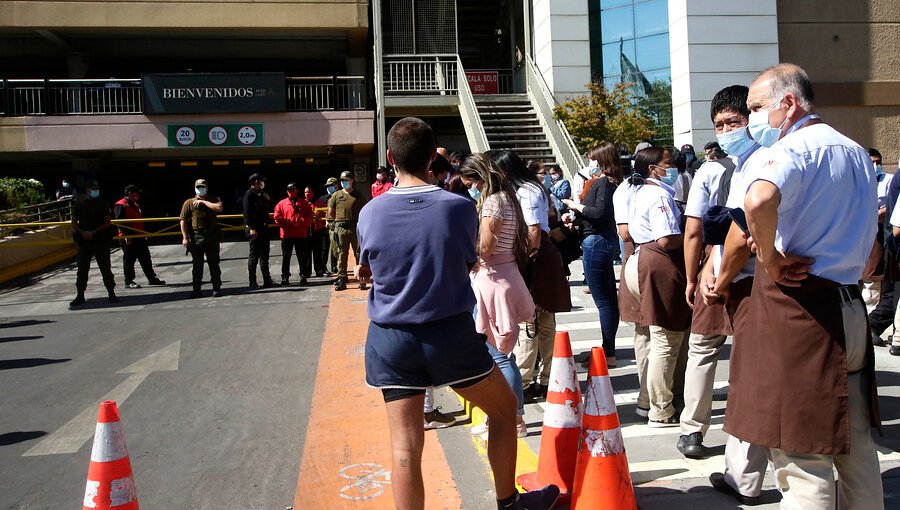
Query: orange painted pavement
column 348, row 426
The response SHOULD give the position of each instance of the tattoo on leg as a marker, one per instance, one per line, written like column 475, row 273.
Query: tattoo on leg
column 404, row 462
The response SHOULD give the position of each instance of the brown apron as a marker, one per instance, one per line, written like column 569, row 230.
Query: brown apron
column 629, row 306
column 549, row 286
column 718, row 318
column 788, row 371
column 662, row 281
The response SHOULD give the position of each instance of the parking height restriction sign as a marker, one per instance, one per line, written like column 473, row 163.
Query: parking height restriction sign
column 215, row 135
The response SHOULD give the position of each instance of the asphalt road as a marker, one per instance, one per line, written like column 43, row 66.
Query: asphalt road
column 214, row 394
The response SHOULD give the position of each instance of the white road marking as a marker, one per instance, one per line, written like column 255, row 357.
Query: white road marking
column 71, row 437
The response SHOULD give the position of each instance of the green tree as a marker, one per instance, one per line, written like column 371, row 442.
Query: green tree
column 658, row 106
column 605, row 115
column 15, row 193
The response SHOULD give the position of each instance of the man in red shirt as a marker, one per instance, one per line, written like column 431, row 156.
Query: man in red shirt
column 135, row 248
column 318, row 236
column 382, row 184
column 294, row 216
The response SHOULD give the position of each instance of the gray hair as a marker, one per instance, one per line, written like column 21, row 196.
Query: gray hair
column 785, row 78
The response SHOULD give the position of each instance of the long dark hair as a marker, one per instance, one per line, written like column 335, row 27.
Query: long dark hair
column 642, row 162
column 515, row 169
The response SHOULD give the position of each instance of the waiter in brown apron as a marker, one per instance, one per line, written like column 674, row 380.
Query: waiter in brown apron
column 802, row 364
column 655, row 276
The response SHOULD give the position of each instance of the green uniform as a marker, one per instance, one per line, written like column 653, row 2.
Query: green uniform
column 343, row 211
column 205, row 238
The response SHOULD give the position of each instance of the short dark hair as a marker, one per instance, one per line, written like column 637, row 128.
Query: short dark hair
column 730, row 98
column 411, row 142
column 873, row 152
column 440, row 165
column 711, row 145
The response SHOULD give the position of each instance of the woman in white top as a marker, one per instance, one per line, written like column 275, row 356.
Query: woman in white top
column 655, row 276
column 503, row 300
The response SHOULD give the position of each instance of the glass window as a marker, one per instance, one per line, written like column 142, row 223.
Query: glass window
column 661, row 75
column 616, row 24
column 606, row 4
column 653, row 52
column 612, row 60
column 651, row 18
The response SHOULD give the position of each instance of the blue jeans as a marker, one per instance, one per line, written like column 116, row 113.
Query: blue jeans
column 598, row 254
column 510, row 371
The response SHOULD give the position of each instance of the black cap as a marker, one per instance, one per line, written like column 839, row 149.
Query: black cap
column 687, row 148
column 255, row 177
column 131, row 188
column 292, row 185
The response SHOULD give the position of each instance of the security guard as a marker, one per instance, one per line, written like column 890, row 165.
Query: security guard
column 201, row 235
column 343, row 211
column 134, row 248
column 327, row 252
column 93, row 230
column 257, row 204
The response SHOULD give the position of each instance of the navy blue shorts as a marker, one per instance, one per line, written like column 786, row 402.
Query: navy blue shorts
column 445, row 352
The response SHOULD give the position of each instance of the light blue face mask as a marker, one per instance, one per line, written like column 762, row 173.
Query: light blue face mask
column 759, row 127
column 345, row 184
column 671, row 175
column 879, row 171
column 736, row 142
column 200, row 191
column 95, row 193
column 548, row 181
column 475, row 193
column 330, row 189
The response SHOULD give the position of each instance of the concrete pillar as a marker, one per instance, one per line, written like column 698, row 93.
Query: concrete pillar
column 562, row 46
column 714, row 44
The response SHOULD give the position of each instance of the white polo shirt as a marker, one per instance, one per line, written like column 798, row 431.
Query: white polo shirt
column 705, row 188
column 653, row 214
column 882, row 189
column 828, row 200
column 895, row 214
column 622, row 199
column 534, row 205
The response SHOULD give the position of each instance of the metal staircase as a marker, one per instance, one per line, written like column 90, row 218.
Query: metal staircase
column 511, row 123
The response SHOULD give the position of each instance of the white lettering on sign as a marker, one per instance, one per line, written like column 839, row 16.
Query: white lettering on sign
column 185, row 135
column 207, row 92
column 246, row 135
column 217, row 135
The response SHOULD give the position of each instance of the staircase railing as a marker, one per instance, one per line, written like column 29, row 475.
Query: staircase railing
column 567, row 155
column 468, row 111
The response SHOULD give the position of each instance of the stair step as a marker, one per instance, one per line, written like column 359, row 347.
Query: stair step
column 488, row 113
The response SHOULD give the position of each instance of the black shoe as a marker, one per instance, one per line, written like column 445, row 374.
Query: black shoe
column 303, row 281
column 362, row 286
column 583, row 357
column 320, row 274
column 195, row 294
column 253, row 286
column 268, row 284
column 132, row 285
column 340, row 284
column 217, row 292
column 79, row 300
column 718, row 482
column 877, row 341
column 540, row 392
column 895, row 350
column 530, row 394
column 541, row 499
column 285, row 282
column 691, row 446
column 157, row 281
column 113, row 298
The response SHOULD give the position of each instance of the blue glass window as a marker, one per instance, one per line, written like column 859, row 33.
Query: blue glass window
column 612, row 59
column 616, row 24
column 651, row 18
column 652, row 52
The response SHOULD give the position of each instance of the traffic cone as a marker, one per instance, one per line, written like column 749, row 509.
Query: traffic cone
column 562, row 424
column 602, row 479
column 110, row 483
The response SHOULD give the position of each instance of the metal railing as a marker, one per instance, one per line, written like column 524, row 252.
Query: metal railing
column 435, row 74
column 57, row 210
column 122, row 97
column 468, row 112
column 567, row 155
column 316, row 93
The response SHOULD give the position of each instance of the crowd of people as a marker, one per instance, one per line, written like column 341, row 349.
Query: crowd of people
column 765, row 240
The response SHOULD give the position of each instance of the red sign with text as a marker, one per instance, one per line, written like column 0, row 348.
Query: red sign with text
column 483, row 82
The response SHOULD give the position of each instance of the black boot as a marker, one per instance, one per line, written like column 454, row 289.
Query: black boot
column 79, row 300
column 876, row 339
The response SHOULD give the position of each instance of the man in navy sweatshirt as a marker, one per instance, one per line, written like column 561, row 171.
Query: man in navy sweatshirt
column 422, row 332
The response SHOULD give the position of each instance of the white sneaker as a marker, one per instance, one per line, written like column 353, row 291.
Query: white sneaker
column 477, row 430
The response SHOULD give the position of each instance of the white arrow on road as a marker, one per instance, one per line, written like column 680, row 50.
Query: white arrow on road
column 72, row 436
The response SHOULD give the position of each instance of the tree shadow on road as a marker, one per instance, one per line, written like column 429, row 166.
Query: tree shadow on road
column 10, row 364
column 20, row 437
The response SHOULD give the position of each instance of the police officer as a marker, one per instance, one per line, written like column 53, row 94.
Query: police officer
column 134, row 248
column 257, row 204
column 201, row 235
column 343, row 211
column 93, row 230
column 331, row 185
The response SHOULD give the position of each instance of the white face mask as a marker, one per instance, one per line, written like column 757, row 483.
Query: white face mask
column 262, row 185
column 200, row 191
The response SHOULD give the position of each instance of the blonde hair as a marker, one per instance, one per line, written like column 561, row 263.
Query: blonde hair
column 480, row 167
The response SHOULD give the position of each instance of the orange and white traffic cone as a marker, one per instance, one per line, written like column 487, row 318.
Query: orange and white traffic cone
column 110, row 483
column 602, row 479
column 562, row 424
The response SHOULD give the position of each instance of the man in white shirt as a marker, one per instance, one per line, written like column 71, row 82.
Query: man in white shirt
column 811, row 213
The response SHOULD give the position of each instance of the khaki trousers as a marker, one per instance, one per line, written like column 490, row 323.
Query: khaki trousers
column 641, row 353
column 700, row 374
column 662, row 358
column 807, row 480
column 745, row 466
column 526, row 349
column 871, row 293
